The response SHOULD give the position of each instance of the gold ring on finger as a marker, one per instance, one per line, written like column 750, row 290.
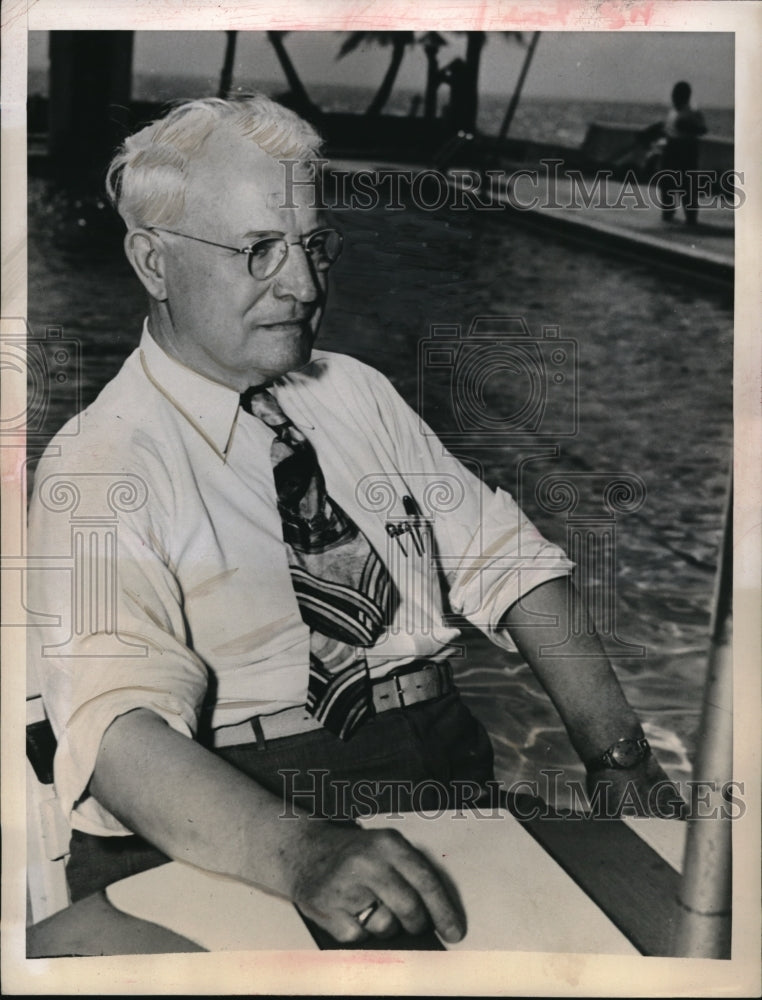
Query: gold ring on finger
column 365, row 914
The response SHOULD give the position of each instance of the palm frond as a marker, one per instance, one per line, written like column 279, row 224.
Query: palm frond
column 359, row 38
column 354, row 41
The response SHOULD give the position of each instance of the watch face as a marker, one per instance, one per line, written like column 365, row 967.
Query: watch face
column 626, row 753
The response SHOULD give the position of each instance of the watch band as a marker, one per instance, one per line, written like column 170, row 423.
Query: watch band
column 622, row 755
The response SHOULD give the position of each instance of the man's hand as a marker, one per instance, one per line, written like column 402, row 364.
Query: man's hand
column 644, row 790
column 345, row 869
column 198, row 808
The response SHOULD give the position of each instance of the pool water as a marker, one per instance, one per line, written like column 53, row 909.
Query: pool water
column 650, row 358
column 654, row 368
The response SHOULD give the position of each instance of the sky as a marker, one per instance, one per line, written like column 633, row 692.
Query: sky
column 596, row 65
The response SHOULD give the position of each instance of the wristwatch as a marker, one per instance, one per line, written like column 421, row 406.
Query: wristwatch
column 620, row 756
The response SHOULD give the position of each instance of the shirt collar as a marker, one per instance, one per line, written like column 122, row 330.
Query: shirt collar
column 211, row 408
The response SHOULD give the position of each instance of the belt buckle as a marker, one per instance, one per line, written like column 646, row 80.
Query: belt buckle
column 400, row 692
column 429, row 669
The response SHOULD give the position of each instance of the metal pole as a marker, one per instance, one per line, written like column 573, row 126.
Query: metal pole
column 511, row 110
column 706, row 887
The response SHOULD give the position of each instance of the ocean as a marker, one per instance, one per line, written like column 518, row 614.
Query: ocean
column 556, row 119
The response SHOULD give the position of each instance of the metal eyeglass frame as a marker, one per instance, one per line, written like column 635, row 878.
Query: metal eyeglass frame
column 264, row 237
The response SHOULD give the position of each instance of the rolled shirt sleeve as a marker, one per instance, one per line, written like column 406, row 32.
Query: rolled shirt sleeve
column 110, row 635
column 503, row 562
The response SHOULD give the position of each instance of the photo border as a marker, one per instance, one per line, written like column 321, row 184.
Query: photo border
column 406, row 973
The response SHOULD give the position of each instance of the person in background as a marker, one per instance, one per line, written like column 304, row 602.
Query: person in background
column 681, row 130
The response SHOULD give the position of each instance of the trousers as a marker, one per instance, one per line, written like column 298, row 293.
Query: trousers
column 679, row 187
column 429, row 757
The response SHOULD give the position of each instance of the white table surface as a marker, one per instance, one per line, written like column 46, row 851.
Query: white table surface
column 516, row 897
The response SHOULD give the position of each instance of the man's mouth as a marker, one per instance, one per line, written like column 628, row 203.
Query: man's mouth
column 286, row 326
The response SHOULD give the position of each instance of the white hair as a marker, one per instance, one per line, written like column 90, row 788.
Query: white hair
column 146, row 180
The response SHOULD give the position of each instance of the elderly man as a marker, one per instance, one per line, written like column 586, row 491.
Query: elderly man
column 274, row 596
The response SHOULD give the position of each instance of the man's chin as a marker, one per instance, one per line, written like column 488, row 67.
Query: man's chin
column 289, row 361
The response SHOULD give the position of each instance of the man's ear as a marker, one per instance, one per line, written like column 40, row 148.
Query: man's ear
column 146, row 255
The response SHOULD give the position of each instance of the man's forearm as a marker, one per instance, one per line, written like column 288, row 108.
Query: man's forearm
column 193, row 805
column 580, row 682
column 198, row 808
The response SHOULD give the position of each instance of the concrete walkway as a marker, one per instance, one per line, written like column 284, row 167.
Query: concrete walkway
column 630, row 215
column 624, row 218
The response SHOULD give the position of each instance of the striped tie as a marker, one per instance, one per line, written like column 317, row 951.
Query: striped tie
column 344, row 591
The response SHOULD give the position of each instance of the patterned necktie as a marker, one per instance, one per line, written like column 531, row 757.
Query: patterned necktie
column 344, row 591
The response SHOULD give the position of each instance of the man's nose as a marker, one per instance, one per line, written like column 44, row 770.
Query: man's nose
column 297, row 277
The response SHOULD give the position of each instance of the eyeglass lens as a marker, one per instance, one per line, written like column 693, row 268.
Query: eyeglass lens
column 268, row 254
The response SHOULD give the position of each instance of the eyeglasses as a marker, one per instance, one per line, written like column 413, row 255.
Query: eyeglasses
column 268, row 253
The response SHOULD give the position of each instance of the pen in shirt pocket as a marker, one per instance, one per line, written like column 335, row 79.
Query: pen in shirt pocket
column 415, row 527
column 417, row 534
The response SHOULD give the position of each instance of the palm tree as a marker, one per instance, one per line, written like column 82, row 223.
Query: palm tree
column 300, row 99
column 398, row 40
column 431, row 42
column 226, row 76
column 466, row 101
column 514, row 102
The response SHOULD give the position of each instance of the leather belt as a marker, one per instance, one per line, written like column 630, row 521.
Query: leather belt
column 407, row 687
column 424, row 681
